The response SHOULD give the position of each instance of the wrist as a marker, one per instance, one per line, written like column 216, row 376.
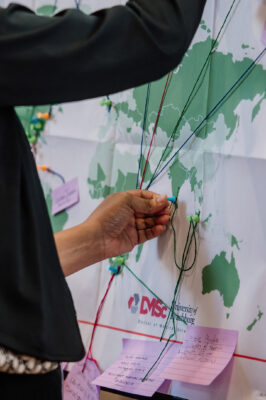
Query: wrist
column 92, row 241
column 79, row 247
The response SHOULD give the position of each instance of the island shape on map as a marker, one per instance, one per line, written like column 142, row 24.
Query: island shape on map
column 221, row 275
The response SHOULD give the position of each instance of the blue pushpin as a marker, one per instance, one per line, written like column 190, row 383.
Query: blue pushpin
column 172, row 199
column 34, row 120
column 114, row 270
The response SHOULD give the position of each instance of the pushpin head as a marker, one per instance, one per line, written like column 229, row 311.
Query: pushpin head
column 38, row 126
column 196, row 218
column 117, row 261
column 107, row 103
column 34, row 120
column 114, row 270
column 172, row 199
column 42, row 167
column 45, row 116
column 33, row 139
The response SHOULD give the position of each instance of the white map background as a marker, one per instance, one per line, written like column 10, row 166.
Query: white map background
column 222, row 175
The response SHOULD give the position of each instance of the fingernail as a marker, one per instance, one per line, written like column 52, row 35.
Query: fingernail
column 161, row 198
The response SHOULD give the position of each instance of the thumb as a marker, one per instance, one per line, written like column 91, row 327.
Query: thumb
column 149, row 206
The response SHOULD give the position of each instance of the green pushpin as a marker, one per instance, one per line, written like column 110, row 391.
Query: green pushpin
column 32, row 139
column 38, row 126
column 196, row 218
column 117, row 261
column 107, row 103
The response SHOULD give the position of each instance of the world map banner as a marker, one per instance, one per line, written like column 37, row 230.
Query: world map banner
column 218, row 174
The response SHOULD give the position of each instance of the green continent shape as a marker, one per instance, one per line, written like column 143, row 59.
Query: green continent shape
column 46, row 10
column 140, row 247
column 220, row 74
column 234, row 242
column 59, row 220
column 254, row 322
column 256, row 109
column 221, row 275
column 207, row 219
column 98, row 188
column 111, row 171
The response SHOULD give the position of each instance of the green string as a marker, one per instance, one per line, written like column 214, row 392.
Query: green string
column 167, row 85
column 191, row 235
column 152, row 292
column 191, row 238
column 183, row 268
column 195, row 89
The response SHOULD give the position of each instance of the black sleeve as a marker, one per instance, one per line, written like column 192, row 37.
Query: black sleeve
column 73, row 56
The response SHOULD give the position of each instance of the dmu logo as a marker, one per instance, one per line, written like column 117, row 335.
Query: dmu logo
column 146, row 305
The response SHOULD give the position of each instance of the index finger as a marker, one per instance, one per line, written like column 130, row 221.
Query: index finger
column 145, row 194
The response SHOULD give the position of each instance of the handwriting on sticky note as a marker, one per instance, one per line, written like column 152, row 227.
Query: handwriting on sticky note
column 137, row 357
column 78, row 385
column 203, row 355
column 65, row 196
column 263, row 38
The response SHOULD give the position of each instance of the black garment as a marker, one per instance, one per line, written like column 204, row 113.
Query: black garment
column 31, row 387
column 43, row 60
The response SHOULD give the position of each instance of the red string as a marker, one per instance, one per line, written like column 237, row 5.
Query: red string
column 155, row 128
column 89, row 353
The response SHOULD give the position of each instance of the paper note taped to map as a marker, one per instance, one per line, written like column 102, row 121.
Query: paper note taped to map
column 78, row 384
column 203, row 356
column 137, row 357
column 65, row 196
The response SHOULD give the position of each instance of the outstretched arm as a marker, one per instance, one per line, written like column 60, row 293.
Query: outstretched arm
column 121, row 221
column 73, row 56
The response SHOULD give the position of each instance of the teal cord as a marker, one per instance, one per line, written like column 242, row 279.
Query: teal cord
column 194, row 90
column 191, row 238
column 152, row 292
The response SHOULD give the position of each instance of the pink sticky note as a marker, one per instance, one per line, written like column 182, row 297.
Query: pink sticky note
column 134, row 362
column 78, row 384
column 203, row 356
column 64, row 366
column 263, row 38
column 65, row 196
column 165, row 387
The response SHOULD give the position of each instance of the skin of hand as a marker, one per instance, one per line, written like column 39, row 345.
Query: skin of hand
column 120, row 222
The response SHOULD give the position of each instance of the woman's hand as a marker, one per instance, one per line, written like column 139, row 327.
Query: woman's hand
column 120, row 222
column 126, row 219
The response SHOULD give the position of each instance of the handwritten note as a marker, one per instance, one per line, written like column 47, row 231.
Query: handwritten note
column 65, row 196
column 203, row 355
column 78, row 385
column 137, row 357
column 263, row 38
